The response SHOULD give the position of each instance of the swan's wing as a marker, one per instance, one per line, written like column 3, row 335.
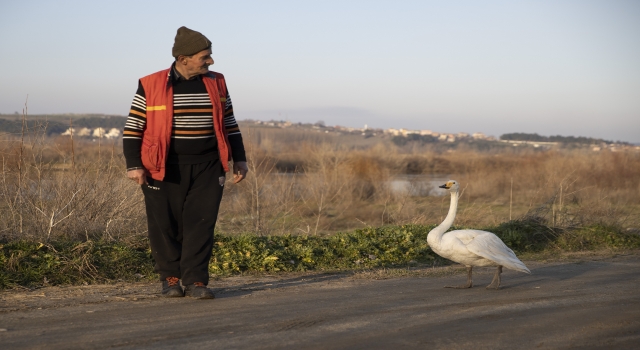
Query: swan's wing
column 489, row 246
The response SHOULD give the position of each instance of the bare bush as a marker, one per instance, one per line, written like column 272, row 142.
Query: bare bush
column 55, row 187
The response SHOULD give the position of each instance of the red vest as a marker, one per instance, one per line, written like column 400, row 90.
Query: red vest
column 157, row 136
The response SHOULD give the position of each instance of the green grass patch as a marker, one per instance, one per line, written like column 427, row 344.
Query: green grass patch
column 33, row 264
column 526, row 235
column 596, row 237
column 364, row 248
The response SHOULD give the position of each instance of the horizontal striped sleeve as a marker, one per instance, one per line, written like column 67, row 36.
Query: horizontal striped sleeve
column 230, row 123
column 233, row 131
column 137, row 120
column 133, row 129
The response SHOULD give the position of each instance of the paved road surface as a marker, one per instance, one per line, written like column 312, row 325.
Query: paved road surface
column 591, row 304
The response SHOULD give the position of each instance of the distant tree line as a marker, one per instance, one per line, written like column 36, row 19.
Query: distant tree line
column 103, row 122
column 440, row 146
column 57, row 125
column 520, row 136
column 14, row 126
column 422, row 139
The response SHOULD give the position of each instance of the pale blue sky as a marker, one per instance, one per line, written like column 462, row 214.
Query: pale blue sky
column 551, row 67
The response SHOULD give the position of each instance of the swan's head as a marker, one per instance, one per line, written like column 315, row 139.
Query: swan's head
column 451, row 185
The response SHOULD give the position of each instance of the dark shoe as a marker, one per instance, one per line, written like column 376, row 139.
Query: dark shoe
column 198, row 290
column 171, row 288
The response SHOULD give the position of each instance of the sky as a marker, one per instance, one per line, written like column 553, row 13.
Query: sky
column 560, row 67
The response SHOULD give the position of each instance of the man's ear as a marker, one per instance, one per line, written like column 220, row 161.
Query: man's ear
column 182, row 59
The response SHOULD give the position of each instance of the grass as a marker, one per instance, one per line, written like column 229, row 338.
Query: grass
column 33, row 264
column 29, row 264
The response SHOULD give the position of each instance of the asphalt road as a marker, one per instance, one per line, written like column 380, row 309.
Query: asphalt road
column 590, row 304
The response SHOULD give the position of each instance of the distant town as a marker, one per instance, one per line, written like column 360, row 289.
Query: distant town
column 96, row 126
column 515, row 139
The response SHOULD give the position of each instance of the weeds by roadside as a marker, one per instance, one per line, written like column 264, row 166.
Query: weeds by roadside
column 33, row 264
column 29, row 264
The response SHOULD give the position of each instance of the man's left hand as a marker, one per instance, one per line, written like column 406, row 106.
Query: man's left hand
column 240, row 170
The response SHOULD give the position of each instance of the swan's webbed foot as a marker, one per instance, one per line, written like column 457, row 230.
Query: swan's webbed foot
column 495, row 284
column 469, row 281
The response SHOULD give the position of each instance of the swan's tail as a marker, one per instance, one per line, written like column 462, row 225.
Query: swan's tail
column 516, row 264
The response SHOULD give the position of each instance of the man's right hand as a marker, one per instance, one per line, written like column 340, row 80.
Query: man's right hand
column 137, row 175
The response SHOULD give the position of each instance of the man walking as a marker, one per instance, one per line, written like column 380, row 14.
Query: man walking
column 178, row 140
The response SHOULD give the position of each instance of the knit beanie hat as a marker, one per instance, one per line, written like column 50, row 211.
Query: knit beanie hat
column 189, row 42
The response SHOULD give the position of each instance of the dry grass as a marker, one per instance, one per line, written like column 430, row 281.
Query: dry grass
column 315, row 184
column 60, row 187
column 333, row 186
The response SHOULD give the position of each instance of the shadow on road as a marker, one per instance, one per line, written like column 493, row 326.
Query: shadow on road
column 249, row 288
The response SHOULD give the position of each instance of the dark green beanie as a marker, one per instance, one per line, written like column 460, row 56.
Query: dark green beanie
column 189, row 42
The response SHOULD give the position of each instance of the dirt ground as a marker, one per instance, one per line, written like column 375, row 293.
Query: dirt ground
column 581, row 301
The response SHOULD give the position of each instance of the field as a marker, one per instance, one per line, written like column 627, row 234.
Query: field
column 343, row 183
column 311, row 201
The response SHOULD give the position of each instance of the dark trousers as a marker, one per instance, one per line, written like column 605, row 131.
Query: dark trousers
column 181, row 213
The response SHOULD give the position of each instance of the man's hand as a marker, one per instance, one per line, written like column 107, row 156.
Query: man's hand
column 137, row 175
column 240, row 170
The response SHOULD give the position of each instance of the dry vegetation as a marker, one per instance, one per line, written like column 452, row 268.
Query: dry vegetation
column 60, row 187
column 320, row 184
column 69, row 215
column 309, row 183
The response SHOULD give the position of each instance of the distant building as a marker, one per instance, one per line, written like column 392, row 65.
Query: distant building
column 113, row 133
column 97, row 133
column 394, row 132
column 410, row 132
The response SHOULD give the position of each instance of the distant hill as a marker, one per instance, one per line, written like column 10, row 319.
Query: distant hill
column 58, row 123
column 14, row 126
column 518, row 136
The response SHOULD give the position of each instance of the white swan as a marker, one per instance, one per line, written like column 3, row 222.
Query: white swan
column 471, row 247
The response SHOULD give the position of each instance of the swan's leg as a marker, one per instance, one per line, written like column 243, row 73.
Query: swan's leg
column 495, row 284
column 469, row 281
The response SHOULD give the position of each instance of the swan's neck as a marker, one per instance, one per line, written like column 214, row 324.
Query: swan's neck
column 436, row 234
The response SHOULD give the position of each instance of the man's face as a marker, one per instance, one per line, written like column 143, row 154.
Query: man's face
column 198, row 63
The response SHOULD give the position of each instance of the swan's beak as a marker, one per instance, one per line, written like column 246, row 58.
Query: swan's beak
column 444, row 186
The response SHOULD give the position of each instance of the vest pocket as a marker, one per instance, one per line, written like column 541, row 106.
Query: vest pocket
column 150, row 153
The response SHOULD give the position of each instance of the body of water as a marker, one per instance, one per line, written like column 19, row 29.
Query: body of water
column 413, row 185
column 419, row 185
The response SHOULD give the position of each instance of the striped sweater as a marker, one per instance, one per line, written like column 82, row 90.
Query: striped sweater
column 193, row 138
